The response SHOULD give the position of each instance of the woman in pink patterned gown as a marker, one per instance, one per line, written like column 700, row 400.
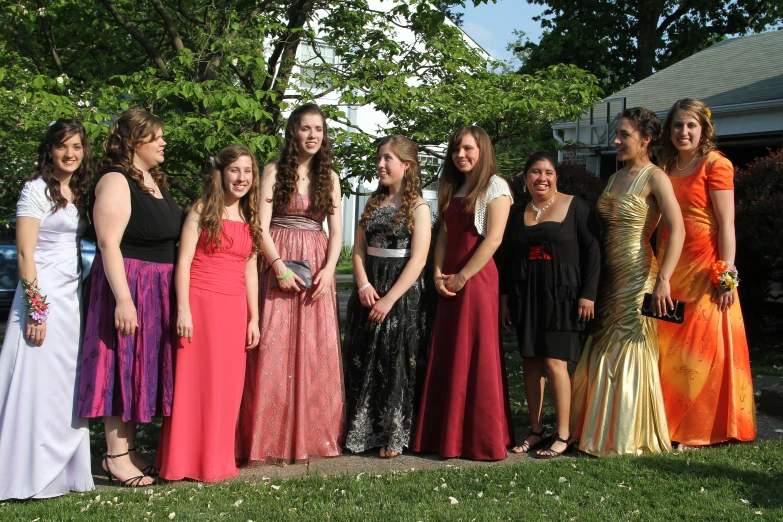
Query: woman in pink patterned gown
column 293, row 404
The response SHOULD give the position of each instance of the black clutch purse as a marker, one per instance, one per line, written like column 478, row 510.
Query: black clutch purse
column 676, row 316
column 300, row 268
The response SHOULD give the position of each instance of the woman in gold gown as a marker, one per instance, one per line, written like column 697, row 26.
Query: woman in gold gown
column 617, row 401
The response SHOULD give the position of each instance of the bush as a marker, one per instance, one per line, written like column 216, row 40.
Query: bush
column 759, row 222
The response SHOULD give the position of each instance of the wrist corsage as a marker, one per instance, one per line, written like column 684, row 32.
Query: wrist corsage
column 725, row 276
column 36, row 304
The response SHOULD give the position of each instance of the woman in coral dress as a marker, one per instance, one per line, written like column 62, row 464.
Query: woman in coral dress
column 704, row 364
column 293, row 404
column 465, row 410
column 617, row 406
column 217, row 319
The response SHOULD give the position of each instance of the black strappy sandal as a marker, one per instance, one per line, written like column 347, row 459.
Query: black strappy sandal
column 133, row 482
column 151, row 470
column 530, row 447
column 552, row 453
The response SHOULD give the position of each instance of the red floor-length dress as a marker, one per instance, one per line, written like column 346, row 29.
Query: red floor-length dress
column 465, row 410
column 197, row 441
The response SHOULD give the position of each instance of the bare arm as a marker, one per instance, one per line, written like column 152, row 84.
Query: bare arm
column 438, row 257
column 420, row 246
column 187, row 249
column 723, row 205
column 367, row 295
column 26, row 241
column 323, row 281
column 251, row 287
column 497, row 215
column 111, row 215
column 661, row 188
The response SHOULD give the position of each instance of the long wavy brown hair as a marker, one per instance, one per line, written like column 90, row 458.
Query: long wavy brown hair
column 405, row 149
column 698, row 110
column 451, row 178
column 321, row 167
column 132, row 128
column 213, row 203
column 81, row 180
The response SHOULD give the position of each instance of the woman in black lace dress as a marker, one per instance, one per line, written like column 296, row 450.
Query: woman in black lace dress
column 386, row 339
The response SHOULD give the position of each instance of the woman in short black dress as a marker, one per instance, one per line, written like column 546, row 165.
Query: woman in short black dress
column 548, row 286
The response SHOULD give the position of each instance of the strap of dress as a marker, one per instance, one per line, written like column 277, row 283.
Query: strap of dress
column 611, row 182
column 641, row 180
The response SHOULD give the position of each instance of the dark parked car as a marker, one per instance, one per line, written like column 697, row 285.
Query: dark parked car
column 9, row 268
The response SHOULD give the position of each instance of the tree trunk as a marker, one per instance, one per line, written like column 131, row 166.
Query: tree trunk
column 648, row 39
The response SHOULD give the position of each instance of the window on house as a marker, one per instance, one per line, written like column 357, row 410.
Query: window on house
column 314, row 60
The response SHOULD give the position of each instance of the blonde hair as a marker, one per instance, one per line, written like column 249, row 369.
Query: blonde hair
column 698, row 110
column 405, row 149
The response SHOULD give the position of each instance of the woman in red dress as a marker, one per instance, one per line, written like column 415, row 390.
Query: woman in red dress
column 217, row 320
column 465, row 410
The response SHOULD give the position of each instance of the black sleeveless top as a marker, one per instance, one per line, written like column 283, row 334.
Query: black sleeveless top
column 154, row 225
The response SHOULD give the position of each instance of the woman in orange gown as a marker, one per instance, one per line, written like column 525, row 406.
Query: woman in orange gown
column 217, row 320
column 704, row 364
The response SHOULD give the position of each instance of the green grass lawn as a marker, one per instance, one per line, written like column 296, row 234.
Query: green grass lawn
column 731, row 483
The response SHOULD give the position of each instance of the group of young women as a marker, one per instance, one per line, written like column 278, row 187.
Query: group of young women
column 238, row 346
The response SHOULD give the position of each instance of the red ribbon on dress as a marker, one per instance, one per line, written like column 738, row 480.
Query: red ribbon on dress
column 538, row 252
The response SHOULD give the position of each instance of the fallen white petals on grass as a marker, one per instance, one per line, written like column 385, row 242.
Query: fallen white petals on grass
column 746, row 502
column 238, row 503
column 172, row 515
column 453, row 500
column 98, row 498
column 480, row 494
column 778, row 430
column 702, row 491
column 547, row 492
column 758, row 513
column 275, row 487
column 359, row 475
column 436, row 488
column 562, row 479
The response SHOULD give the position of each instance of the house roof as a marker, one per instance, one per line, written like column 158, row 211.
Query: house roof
column 742, row 70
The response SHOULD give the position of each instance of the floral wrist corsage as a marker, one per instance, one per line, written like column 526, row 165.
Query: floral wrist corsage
column 36, row 303
column 725, row 276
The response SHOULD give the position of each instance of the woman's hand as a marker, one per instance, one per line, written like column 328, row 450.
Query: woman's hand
column 292, row 282
column 380, row 309
column 185, row 325
column 723, row 298
column 586, row 309
column 322, row 283
column 126, row 319
column 454, row 282
column 368, row 296
column 661, row 298
column 35, row 332
column 440, row 286
column 253, row 334
column 505, row 313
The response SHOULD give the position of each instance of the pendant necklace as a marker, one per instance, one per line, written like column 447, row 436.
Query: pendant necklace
column 540, row 210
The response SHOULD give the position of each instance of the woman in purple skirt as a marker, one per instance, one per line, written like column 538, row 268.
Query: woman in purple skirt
column 126, row 367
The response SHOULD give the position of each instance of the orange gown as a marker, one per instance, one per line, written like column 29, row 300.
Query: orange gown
column 704, row 365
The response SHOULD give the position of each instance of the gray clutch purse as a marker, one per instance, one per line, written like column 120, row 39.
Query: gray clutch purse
column 300, row 268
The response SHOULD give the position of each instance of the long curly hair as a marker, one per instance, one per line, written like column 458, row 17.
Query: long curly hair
column 81, row 180
column 451, row 179
column 698, row 110
column 648, row 125
column 288, row 164
column 212, row 203
column 405, row 149
column 132, row 128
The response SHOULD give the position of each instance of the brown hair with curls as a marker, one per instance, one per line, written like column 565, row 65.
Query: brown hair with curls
column 81, row 180
column 698, row 110
column 212, row 203
column 451, row 179
column 132, row 128
column 406, row 151
column 321, row 168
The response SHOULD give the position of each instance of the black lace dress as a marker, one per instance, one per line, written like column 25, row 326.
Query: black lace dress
column 385, row 363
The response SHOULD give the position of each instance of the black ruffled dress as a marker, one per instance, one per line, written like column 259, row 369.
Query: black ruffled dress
column 546, row 269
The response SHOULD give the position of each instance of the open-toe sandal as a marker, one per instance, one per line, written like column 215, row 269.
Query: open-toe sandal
column 530, row 447
column 151, row 470
column 552, row 454
column 133, row 482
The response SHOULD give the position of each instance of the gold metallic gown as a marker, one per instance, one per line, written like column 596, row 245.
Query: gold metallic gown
column 617, row 405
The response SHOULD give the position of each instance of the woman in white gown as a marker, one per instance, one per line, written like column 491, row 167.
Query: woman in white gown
column 44, row 447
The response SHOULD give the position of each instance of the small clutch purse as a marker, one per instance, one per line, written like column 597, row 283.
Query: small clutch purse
column 300, row 268
column 676, row 316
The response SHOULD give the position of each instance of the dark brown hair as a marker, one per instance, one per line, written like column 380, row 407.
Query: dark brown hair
column 405, row 149
column 132, row 128
column 451, row 178
column 212, row 202
column 321, row 170
column 59, row 132
column 648, row 125
column 698, row 110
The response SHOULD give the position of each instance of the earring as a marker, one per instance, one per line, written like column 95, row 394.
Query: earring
column 524, row 187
